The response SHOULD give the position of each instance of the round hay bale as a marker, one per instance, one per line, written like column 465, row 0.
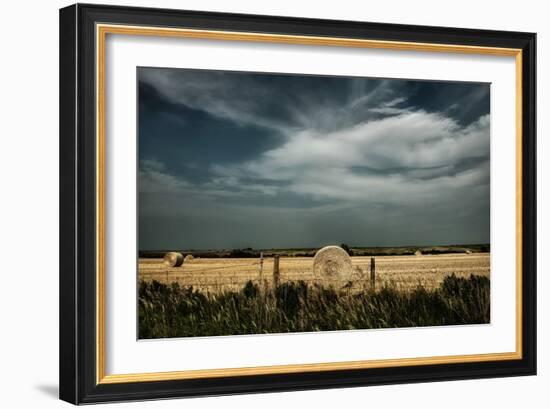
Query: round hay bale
column 332, row 264
column 418, row 253
column 188, row 257
column 173, row 259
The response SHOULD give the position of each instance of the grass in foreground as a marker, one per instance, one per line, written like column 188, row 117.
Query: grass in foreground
column 167, row 311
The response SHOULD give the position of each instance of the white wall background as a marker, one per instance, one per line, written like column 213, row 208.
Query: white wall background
column 29, row 202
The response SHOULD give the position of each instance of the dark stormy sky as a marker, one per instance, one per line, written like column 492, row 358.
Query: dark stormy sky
column 234, row 159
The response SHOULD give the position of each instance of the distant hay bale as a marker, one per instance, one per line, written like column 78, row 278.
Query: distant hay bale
column 332, row 264
column 188, row 257
column 418, row 253
column 173, row 259
column 468, row 252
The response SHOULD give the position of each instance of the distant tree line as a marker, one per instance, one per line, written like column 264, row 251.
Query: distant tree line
column 249, row 252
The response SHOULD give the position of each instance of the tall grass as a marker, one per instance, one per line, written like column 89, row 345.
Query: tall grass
column 175, row 311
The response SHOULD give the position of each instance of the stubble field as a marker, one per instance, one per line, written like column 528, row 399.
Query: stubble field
column 404, row 273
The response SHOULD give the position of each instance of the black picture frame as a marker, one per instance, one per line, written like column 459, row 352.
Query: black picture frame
column 78, row 308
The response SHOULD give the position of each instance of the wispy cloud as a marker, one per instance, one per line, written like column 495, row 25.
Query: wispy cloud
column 407, row 155
column 153, row 178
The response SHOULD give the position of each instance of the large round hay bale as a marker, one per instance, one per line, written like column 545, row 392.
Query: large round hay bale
column 173, row 259
column 418, row 253
column 332, row 264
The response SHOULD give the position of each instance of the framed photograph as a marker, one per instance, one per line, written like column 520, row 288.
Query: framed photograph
column 257, row 203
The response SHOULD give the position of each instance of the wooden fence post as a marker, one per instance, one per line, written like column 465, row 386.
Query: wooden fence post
column 261, row 266
column 276, row 273
column 372, row 273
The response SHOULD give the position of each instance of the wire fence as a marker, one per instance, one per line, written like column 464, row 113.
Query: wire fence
column 270, row 278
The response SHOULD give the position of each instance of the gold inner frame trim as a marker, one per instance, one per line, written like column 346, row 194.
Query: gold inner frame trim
column 101, row 33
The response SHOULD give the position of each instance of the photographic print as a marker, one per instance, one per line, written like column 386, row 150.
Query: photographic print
column 277, row 203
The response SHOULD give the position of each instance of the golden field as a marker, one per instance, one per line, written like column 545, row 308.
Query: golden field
column 404, row 272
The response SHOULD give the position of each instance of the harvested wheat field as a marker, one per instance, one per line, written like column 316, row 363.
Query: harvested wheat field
column 403, row 272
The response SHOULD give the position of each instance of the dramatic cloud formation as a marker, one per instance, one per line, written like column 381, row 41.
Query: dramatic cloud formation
column 233, row 159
